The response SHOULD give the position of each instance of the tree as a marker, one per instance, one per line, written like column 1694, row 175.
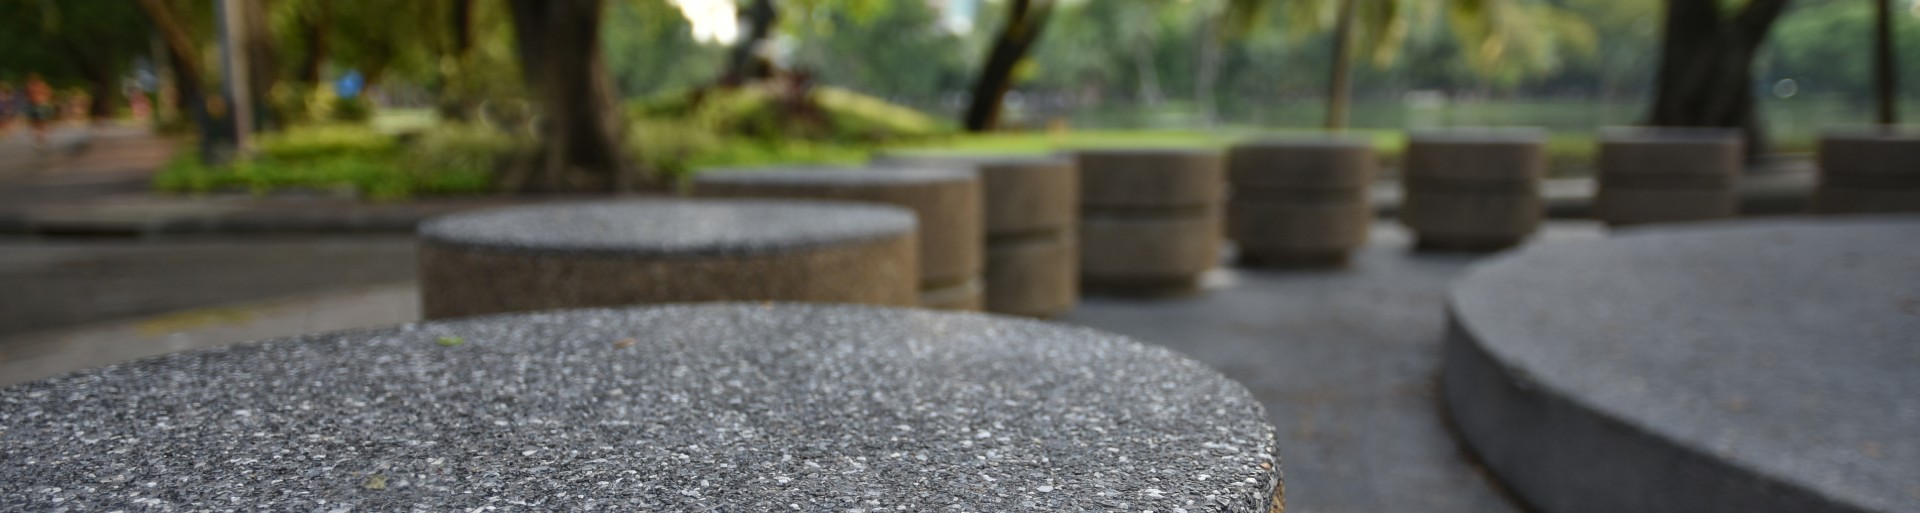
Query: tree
column 79, row 42
column 1026, row 21
column 743, row 62
column 1885, row 78
column 1503, row 39
column 558, row 42
column 1706, row 66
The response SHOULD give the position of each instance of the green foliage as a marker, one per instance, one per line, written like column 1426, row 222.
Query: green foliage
column 677, row 134
column 452, row 159
column 650, row 48
column 456, row 158
column 325, row 141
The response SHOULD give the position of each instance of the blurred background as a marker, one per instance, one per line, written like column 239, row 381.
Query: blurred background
column 333, row 84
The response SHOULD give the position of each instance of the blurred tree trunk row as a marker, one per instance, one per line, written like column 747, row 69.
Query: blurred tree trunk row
column 1706, row 66
column 1026, row 20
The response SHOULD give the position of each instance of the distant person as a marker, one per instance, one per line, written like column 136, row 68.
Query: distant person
column 40, row 108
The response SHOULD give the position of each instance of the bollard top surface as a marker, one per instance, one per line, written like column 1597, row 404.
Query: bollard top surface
column 707, row 407
column 1785, row 347
column 665, row 228
column 1671, row 135
column 1479, row 135
column 968, row 160
column 1305, row 141
column 835, row 176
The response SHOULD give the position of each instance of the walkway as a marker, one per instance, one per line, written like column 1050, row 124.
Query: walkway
column 1345, row 361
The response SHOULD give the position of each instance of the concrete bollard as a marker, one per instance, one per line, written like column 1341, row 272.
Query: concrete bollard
column 1473, row 189
column 1869, row 173
column 665, row 251
column 1661, row 174
column 1300, row 202
column 1032, row 207
column 946, row 201
column 1150, row 219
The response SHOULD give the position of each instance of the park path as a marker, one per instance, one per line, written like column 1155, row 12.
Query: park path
column 1344, row 361
column 80, row 162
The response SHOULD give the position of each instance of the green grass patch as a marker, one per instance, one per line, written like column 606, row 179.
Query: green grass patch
column 347, row 158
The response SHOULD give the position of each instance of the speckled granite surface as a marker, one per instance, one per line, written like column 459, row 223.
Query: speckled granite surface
column 658, row 227
column 1735, row 366
column 719, row 407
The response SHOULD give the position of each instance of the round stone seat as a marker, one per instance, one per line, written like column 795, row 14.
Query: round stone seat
column 706, row 407
column 1473, row 189
column 1668, row 174
column 1300, row 202
column 1150, row 219
column 1720, row 367
column 947, row 202
column 656, row 251
column 1032, row 206
column 1869, row 172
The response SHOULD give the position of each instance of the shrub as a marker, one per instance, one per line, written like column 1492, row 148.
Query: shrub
column 318, row 141
column 459, row 157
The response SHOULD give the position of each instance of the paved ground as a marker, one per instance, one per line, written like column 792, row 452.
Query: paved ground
column 1346, row 362
column 58, row 283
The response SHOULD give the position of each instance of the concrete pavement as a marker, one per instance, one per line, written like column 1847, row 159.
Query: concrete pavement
column 1344, row 361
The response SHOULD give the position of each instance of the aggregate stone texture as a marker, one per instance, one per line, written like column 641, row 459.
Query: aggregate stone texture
column 1868, row 173
column 947, row 202
column 1300, row 202
column 655, row 251
column 1657, row 175
column 714, row 407
column 1151, row 219
column 1032, row 207
column 1474, row 189
column 1712, row 367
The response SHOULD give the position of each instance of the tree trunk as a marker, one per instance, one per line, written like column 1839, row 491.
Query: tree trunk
column 317, row 25
column 455, row 103
column 1340, row 78
column 1885, row 78
column 743, row 61
column 1026, row 20
column 1706, row 67
column 260, row 56
column 182, row 56
column 558, row 42
column 1207, row 71
column 1149, row 72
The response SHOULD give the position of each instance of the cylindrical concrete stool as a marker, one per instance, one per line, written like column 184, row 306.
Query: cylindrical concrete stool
column 1032, row 206
column 1473, row 189
column 1300, row 202
column 1723, row 367
column 710, row 407
column 654, row 251
column 1655, row 175
column 947, row 202
column 1149, row 219
column 1866, row 173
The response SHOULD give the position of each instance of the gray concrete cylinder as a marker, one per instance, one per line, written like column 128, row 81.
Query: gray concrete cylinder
column 1656, row 175
column 1473, row 189
column 946, row 201
column 1869, row 173
column 1300, row 202
column 666, row 251
column 1150, row 219
column 1032, row 207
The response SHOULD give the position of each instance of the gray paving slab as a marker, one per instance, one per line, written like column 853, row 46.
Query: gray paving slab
column 1735, row 366
column 55, row 283
column 718, row 407
column 1345, row 361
